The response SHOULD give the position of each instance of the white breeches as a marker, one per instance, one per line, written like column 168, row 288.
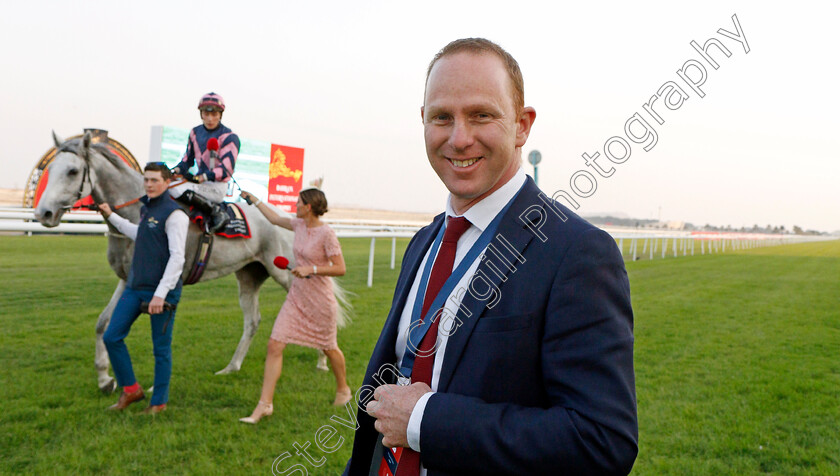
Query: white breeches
column 213, row 191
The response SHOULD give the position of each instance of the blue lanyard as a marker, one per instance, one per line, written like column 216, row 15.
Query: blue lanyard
column 417, row 333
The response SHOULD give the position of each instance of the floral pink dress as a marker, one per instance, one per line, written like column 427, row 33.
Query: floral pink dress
column 308, row 316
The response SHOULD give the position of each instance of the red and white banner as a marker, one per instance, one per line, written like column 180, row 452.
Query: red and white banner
column 284, row 176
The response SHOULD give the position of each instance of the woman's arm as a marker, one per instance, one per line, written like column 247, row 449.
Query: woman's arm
column 269, row 213
column 335, row 268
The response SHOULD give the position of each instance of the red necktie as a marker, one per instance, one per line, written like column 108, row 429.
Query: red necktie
column 409, row 460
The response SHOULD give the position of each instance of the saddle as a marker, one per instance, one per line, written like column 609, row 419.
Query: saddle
column 237, row 227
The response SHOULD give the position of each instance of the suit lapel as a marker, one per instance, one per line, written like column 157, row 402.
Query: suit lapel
column 518, row 237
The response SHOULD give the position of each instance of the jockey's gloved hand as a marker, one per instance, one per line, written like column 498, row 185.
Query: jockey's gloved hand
column 175, row 171
column 188, row 177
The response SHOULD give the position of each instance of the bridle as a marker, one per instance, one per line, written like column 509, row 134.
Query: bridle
column 86, row 178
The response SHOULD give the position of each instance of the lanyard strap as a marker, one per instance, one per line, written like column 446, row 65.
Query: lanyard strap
column 417, row 332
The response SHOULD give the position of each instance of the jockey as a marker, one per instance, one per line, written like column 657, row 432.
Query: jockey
column 215, row 168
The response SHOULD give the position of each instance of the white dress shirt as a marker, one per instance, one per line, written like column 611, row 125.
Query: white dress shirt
column 480, row 215
column 176, row 235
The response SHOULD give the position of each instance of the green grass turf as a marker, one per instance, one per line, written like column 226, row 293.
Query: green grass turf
column 53, row 416
column 738, row 361
column 737, row 367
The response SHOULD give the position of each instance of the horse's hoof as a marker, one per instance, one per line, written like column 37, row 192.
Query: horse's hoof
column 109, row 387
column 227, row 370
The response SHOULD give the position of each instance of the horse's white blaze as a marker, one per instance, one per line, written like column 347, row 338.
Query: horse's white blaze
column 64, row 180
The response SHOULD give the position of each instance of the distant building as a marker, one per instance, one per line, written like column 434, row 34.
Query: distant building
column 666, row 225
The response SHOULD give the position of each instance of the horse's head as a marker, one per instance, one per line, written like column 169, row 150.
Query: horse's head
column 68, row 179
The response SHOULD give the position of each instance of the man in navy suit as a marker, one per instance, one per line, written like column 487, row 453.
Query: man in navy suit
column 532, row 368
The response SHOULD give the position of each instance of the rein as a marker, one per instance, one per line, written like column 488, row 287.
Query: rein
column 88, row 178
column 95, row 206
column 135, row 200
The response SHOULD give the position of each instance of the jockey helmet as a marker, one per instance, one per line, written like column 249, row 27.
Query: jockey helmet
column 211, row 102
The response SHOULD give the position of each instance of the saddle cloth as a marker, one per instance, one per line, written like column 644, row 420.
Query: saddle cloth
column 237, row 226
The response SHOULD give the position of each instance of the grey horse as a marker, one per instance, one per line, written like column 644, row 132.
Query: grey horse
column 81, row 168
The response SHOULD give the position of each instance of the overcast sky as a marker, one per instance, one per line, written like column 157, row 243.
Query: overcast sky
column 344, row 81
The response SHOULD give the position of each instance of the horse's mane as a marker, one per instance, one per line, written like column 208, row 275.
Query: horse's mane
column 111, row 156
column 71, row 146
column 74, row 146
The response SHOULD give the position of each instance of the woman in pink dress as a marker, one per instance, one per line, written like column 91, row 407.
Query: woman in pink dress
column 308, row 316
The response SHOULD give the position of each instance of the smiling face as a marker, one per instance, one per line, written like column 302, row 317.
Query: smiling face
column 154, row 183
column 473, row 132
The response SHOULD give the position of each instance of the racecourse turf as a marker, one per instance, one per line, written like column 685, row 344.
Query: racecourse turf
column 737, row 367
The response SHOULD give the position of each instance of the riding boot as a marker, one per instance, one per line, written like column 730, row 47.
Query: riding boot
column 214, row 211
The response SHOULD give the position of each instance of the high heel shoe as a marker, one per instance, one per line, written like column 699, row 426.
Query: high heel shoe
column 341, row 398
column 263, row 410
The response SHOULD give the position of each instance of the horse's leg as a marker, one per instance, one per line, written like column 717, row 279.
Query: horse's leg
column 107, row 384
column 250, row 279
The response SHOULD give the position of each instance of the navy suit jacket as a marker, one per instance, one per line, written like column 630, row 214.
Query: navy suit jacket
column 538, row 378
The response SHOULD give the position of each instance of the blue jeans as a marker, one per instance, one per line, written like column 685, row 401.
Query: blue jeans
column 126, row 312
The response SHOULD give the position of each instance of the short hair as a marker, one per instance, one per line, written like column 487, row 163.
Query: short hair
column 315, row 199
column 478, row 46
column 159, row 167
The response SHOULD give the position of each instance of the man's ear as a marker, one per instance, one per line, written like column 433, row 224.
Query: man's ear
column 422, row 117
column 523, row 128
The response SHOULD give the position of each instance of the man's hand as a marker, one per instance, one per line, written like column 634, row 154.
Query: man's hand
column 392, row 406
column 175, row 171
column 201, row 178
column 105, row 209
column 156, row 305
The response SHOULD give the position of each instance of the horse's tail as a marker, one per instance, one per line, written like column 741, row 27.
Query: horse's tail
column 344, row 315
